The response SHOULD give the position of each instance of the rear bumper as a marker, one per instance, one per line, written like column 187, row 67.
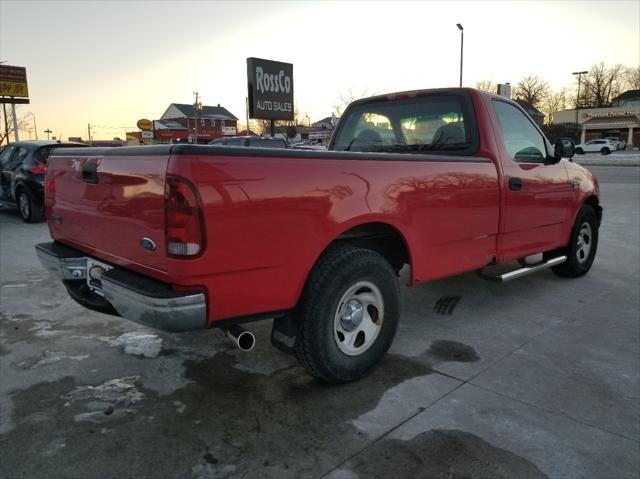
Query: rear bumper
column 130, row 295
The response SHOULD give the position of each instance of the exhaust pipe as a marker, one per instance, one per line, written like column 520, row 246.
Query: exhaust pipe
column 243, row 339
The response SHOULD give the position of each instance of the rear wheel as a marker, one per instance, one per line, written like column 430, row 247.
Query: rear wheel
column 582, row 247
column 30, row 210
column 605, row 151
column 579, row 151
column 348, row 314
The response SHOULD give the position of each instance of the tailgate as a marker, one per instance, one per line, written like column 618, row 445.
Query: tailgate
column 109, row 202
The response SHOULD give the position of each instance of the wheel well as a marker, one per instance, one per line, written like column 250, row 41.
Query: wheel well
column 595, row 204
column 19, row 187
column 382, row 238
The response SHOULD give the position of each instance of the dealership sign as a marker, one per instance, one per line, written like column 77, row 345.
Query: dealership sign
column 270, row 87
column 13, row 82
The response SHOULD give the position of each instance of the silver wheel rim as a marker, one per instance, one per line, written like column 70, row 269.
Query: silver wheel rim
column 358, row 318
column 23, row 204
column 585, row 239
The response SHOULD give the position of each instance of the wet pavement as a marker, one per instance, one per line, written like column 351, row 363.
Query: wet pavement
column 532, row 379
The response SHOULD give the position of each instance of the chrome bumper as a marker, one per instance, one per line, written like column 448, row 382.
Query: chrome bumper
column 133, row 296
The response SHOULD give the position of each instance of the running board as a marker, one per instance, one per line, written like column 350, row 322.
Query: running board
column 519, row 273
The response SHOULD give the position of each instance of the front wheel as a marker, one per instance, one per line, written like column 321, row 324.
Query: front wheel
column 582, row 247
column 348, row 314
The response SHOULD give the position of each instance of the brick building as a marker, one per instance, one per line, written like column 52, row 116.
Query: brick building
column 210, row 123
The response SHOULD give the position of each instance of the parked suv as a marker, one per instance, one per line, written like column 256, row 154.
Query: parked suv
column 620, row 144
column 603, row 146
column 251, row 141
column 23, row 165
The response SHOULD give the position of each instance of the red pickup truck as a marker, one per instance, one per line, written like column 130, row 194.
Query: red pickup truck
column 181, row 237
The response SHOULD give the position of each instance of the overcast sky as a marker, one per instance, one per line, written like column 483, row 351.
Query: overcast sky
column 111, row 63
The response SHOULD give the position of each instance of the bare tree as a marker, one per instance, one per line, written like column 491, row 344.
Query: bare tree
column 487, row 85
column 23, row 125
column 632, row 77
column 601, row 85
column 345, row 98
column 554, row 101
column 532, row 89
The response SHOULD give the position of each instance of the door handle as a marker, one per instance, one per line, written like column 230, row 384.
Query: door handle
column 515, row 184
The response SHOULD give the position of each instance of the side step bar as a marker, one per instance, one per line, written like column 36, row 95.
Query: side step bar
column 519, row 273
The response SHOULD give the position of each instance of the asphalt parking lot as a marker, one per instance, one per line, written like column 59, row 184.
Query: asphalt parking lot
column 536, row 378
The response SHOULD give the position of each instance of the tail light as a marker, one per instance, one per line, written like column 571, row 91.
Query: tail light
column 183, row 223
column 39, row 169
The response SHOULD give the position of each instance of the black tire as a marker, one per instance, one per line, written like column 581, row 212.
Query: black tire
column 579, row 151
column 605, row 151
column 340, row 269
column 30, row 210
column 577, row 265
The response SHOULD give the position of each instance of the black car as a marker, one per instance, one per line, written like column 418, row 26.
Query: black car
column 251, row 141
column 23, row 165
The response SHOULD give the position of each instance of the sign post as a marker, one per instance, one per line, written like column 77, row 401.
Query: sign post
column 270, row 88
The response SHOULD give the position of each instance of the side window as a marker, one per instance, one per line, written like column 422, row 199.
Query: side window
column 5, row 156
column 235, row 142
column 523, row 141
column 266, row 143
column 19, row 156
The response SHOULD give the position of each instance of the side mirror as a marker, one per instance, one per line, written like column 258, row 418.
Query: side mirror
column 564, row 148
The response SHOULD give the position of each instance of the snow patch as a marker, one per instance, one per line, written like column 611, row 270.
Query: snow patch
column 120, row 391
column 49, row 357
column 139, row 343
column 213, row 471
column 180, row 406
column 54, row 447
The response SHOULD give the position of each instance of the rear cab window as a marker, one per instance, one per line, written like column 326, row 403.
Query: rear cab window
column 435, row 123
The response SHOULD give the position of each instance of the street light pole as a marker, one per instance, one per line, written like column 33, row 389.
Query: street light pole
column 35, row 127
column 578, row 95
column 198, row 108
column 459, row 25
column 47, row 131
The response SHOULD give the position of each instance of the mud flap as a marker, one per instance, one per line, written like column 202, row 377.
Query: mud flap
column 284, row 332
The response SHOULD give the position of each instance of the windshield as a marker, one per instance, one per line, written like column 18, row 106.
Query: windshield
column 441, row 123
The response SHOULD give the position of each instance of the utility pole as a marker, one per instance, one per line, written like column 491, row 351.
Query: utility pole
column 88, row 132
column 578, row 96
column 459, row 25
column 47, row 131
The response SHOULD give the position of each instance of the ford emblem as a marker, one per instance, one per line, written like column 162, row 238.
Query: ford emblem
column 148, row 244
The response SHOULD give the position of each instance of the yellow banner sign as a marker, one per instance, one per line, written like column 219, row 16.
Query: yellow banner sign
column 11, row 88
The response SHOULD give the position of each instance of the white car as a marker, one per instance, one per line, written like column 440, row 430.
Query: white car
column 603, row 146
column 620, row 144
